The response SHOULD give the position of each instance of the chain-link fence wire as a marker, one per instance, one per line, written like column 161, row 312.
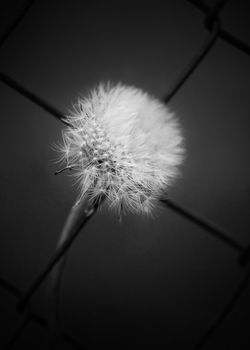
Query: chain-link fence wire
column 215, row 31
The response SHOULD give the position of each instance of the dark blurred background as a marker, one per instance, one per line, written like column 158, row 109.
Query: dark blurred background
column 145, row 283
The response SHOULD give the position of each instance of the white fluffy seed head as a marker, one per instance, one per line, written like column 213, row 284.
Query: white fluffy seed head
column 124, row 144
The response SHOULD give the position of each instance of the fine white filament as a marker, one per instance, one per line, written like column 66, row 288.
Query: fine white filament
column 122, row 144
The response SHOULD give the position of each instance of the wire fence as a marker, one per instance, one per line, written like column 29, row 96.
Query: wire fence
column 215, row 31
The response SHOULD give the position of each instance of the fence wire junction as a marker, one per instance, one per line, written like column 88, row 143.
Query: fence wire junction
column 215, row 31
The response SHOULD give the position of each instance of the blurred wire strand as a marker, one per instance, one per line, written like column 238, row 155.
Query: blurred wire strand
column 13, row 23
column 209, row 227
column 194, row 62
column 223, row 34
column 16, row 292
column 212, row 23
column 37, row 100
column 214, row 325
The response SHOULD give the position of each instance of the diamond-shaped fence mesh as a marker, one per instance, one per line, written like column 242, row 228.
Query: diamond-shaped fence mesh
column 215, row 32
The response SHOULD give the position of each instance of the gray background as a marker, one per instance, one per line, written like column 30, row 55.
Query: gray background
column 145, row 283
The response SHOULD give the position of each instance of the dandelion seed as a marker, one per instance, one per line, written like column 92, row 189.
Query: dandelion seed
column 124, row 144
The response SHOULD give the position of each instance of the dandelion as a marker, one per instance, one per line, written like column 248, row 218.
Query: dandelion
column 122, row 144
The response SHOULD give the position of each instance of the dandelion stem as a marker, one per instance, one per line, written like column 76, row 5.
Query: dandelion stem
column 78, row 217
column 52, row 300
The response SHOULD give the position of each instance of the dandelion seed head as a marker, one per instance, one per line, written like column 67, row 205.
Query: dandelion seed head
column 124, row 144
